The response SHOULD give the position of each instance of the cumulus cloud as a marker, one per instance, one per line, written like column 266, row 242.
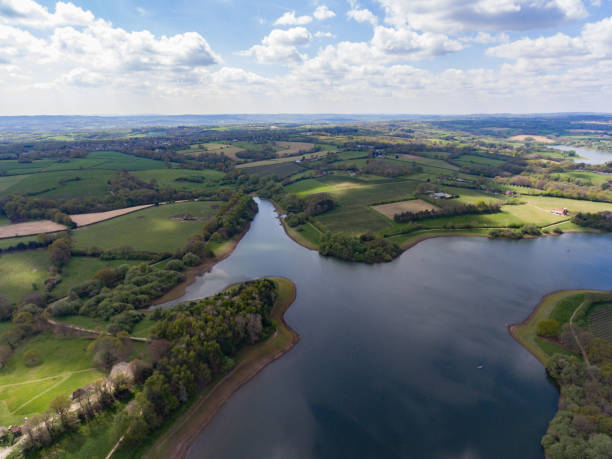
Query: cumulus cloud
column 362, row 15
column 320, row 34
column 485, row 38
column 28, row 13
column 323, row 12
column 281, row 46
column 455, row 16
column 594, row 43
column 407, row 43
column 290, row 19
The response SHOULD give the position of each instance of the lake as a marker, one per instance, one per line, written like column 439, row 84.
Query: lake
column 587, row 155
column 388, row 361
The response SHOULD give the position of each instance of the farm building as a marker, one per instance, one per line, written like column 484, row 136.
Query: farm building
column 563, row 211
column 441, row 195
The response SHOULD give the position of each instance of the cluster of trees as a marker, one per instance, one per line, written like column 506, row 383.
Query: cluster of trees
column 601, row 220
column 299, row 210
column 27, row 321
column 582, row 427
column 553, row 186
column 113, row 293
column 19, row 208
column 194, row 343
column 480, row 207
column 232, row 219
column 366, row 248
column 528, row 229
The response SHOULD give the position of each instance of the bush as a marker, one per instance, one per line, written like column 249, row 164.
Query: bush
column 63, row 308
column 32, row 357
column 175, row 265
column 548, row 328
column 191, row 259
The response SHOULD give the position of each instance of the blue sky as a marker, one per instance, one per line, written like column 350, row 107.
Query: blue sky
column 340, row 56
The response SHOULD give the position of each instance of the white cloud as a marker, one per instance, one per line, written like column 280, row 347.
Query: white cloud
column 290, row 19
column 485, row 38
column 320, row 34
column 407, row 43
column 323, row 12
column 594, row 43
column 362, row 15
column 455, row 16
column 28, row 13
column 281, row 46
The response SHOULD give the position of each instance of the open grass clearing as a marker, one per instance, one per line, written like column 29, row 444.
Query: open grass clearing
column 478, row 160
column 412, row 205
column 538, row 209
column 20, row 271
column 14, row 241
column 154, row 229
column 66, row 365
column 223, row 148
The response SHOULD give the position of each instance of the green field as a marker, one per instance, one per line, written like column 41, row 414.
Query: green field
column 168, row 178
column 471, row 160
column 19, row 270
column 14, row 241
column 151, row 229
column 27, row 390
column 279, row 169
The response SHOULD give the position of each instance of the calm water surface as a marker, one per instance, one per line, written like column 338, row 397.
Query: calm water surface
column 387, row 364
column 587, row 155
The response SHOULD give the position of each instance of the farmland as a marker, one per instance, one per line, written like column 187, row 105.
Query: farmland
column 413, row 205
column 600, row 321
column 157, row 229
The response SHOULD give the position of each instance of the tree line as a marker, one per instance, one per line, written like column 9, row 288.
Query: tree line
column 480, row 207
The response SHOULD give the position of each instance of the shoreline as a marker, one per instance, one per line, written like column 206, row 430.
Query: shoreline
column 548, row 300
column 192, row 274
column 178, row 439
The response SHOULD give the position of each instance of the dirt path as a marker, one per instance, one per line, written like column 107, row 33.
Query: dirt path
column 92, row 332
column 571, row 322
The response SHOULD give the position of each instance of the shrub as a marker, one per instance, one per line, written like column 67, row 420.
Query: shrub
column 32, row 357
column 63, row 308
column 548, row 328
column 191, row 259
column 175, row 265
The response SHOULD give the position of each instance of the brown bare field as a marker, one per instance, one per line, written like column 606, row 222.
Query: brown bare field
column 536, row 138
column 88, row 219
column 413, row 205
column 293, row 148
column 30, row 228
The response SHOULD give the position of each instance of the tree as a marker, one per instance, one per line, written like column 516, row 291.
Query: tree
column 61, row 405
column 548, row 328
column 107, row 350
column 32, row 357
column 59, row 252
column 6, row 309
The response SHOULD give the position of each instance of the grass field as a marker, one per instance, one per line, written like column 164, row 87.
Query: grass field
column 168, row 178
column 20, row 270
column 280, row 169
column 150, row 229
column 412, row 205
column 27, row 390
column 214, row 147
column 554, row 305
column 470, row 160
column 292, row 148
column 287, row 159
column 12, row 242
column 537, row 209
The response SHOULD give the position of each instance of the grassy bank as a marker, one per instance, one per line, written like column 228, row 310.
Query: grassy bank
column 525, row 332
column 176, row 440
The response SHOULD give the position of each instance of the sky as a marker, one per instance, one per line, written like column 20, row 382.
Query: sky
column 308, row 56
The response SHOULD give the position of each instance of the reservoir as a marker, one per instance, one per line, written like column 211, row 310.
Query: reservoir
column 389, row 357
column 586, row 155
